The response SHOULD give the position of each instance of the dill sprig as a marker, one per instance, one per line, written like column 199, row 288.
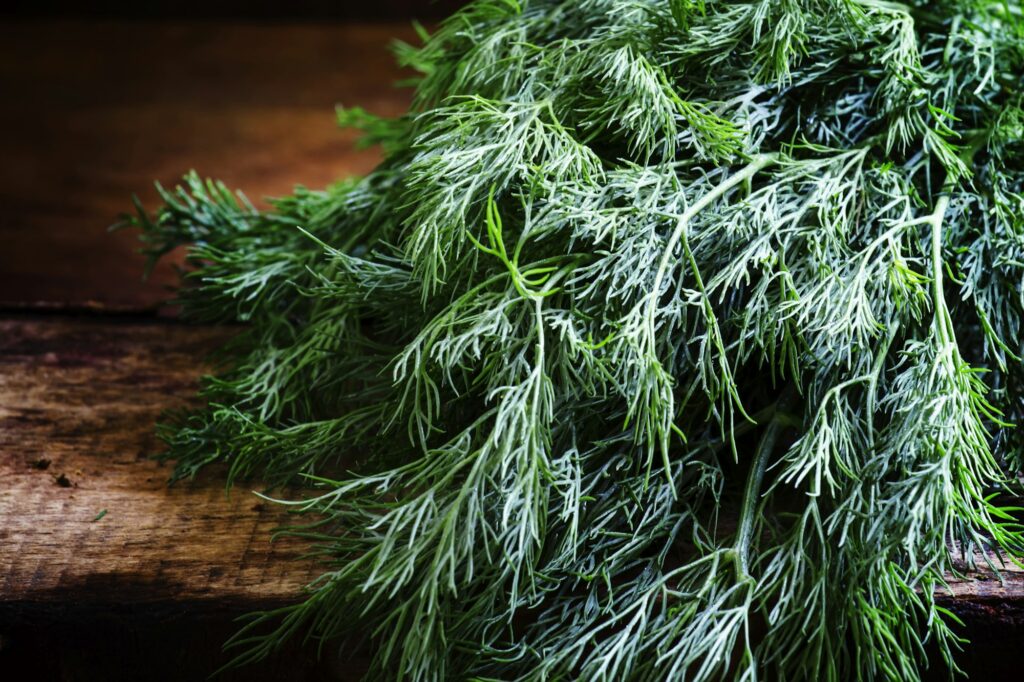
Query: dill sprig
column 672, row 339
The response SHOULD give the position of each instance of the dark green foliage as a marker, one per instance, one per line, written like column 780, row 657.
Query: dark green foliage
column 672, row 340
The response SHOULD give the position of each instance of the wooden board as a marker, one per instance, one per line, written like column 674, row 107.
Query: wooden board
column 95, row 112
column 151, row 590
column 78, row 403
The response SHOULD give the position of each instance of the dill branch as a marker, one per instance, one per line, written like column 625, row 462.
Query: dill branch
column 630, row 270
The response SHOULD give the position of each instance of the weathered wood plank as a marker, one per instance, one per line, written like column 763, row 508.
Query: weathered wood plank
column 78, row 402
column 94, row 112
column 987, row 587
column 81, row 396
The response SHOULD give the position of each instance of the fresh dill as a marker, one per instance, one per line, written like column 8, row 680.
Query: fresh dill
column 672, row 339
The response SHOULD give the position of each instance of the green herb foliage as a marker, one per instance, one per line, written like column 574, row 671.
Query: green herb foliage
column 672, row 339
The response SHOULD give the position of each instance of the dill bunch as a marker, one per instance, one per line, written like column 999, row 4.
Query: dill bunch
column 672, row 339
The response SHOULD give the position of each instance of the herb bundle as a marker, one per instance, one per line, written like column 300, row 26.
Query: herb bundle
column 672, row 339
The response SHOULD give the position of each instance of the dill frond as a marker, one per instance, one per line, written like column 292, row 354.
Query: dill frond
column 671, row 340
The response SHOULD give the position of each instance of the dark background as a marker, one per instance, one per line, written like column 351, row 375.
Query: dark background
column 102, row 99
column 248, row 10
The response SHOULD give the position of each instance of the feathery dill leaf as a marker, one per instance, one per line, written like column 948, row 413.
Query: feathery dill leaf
column 671, row 339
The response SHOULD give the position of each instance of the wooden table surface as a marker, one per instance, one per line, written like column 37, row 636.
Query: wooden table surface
column 88, row 357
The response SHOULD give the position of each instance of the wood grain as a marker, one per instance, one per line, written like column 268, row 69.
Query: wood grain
column 78, row 402
column 94, row 112
column 82, row 396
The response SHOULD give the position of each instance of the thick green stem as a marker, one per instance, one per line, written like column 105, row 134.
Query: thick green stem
column 752, row 496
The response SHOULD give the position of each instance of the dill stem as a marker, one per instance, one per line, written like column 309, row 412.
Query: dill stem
column 942, row 322
column 876, row 371
column 752, row 489
column 739, row 177
column 752, row 495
